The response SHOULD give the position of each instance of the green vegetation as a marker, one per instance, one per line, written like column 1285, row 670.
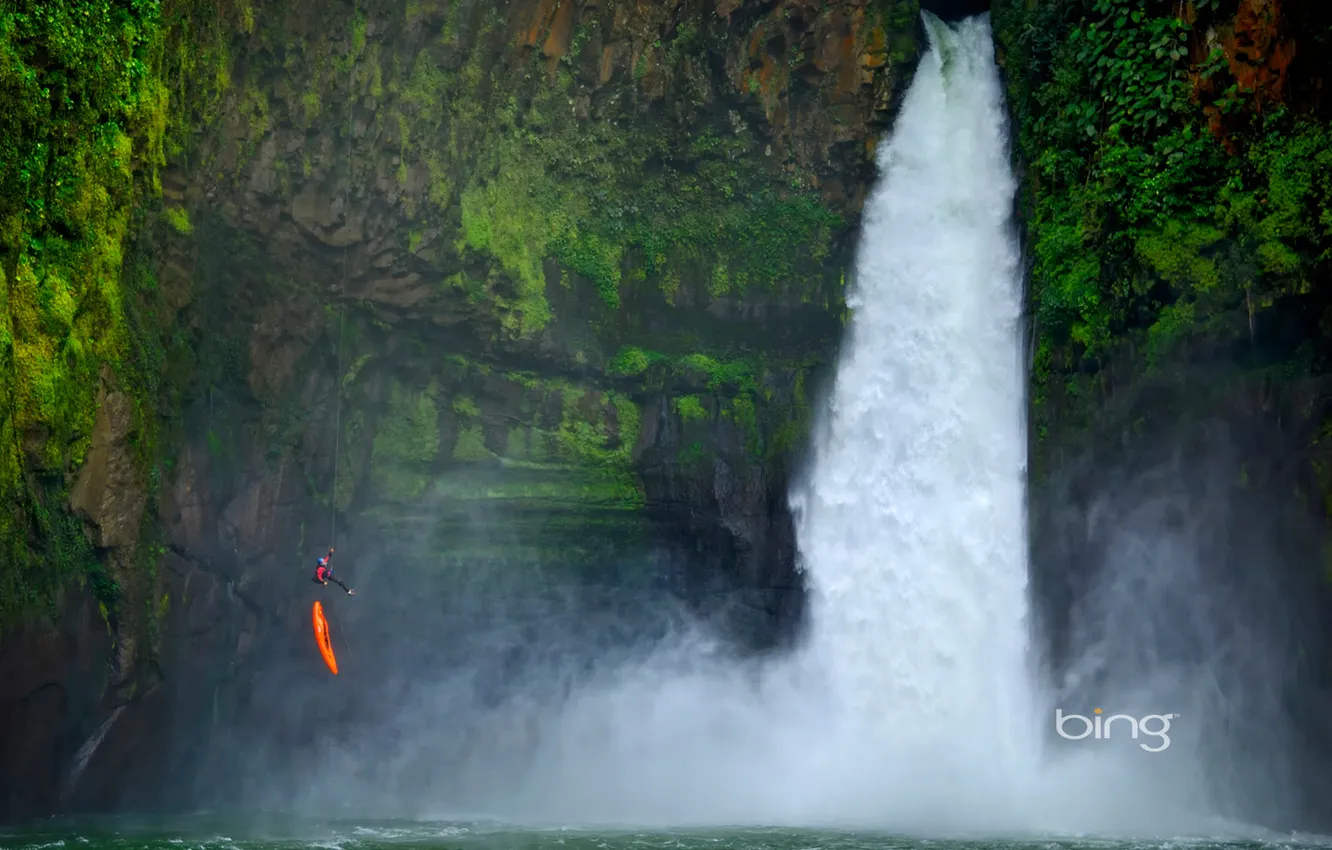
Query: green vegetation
column 690, row 408
column 631, row 361
column 406, row 442
column 515, row 177
column 611, row 198
column 1167, row 199
column 703, row 369
column 554, row 445
column 95, row 95
column 578, row 429
column 745, row 391
column 891, row 36
column 437, row 437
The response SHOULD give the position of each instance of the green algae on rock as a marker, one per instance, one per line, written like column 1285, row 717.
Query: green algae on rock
column 563, row 267
column 626, row 203
column 96, row 96
column 1175, row 192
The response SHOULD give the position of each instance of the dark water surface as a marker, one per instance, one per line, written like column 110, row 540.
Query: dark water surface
column 207, row 832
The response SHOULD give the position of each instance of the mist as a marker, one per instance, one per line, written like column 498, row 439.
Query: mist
column 485, row 675
column 1173, row 583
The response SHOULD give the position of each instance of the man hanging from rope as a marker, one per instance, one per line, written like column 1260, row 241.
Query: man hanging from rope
column 324, row 573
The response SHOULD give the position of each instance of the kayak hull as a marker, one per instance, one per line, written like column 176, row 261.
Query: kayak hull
column 322, row 638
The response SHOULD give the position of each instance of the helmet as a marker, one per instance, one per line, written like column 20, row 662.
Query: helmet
column 323, row 561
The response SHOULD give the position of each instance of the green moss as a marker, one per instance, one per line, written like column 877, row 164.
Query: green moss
column 358, row 30
column 406, row 442
column 610, row 200
column 732, row 375
column 1165, row 203
column 563, row 495
column 505, row 220
column 594, row 433
column 790, row 434
column 352, row 372
column 690, row 408
column 572, row 437
column 891, row 35
column 721, row 375
column 592, row 256
column 96, row 95
column 516, row 443
column 465, row 407
column 627, row 426
column 631, row 361
column 773, row 422
column 741, row 411
column 471, row 445
column 179, row 219
column 692, row 455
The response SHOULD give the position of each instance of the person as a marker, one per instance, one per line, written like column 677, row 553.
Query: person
column 324, row 573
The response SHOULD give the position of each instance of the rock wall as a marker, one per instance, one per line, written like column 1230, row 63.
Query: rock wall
column 1175, row 216
column 482, row 294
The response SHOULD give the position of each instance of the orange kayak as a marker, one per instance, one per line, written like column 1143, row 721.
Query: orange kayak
column 322, row 638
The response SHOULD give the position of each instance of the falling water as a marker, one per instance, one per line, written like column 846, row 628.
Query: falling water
column 86, row 752
column 911, row 523
column 909, row 706
column 914, row 703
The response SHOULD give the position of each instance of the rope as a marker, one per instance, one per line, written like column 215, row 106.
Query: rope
column 342, row 314
column 337, row 418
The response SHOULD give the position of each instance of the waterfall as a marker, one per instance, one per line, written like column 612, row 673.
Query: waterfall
column 86, row 752
column 911, row 522
column 910, row 705
column 913, row 703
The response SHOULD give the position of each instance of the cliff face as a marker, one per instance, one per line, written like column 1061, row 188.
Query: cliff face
column 591, row 251
column 473, row 291
column 1175, row 207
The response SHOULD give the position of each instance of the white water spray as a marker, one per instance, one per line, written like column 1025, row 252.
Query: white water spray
column 911, row 525
column 911, row 705
column 86, row 752
column 914, row 705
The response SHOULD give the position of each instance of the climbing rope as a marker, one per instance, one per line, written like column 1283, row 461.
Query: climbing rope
column 342, row 312
column 337, row 406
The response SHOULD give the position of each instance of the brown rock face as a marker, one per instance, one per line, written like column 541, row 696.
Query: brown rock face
column 487, row 292
column 51, row 679
column 376, row 158
column 212, row 632
column 1258, row 44
column 109, row 492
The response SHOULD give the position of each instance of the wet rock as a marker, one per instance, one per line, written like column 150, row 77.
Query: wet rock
column 366, row 212
column 50, row 684
column 187, row 506
column 257, row 521
column 955, row 10
column 108, row 493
